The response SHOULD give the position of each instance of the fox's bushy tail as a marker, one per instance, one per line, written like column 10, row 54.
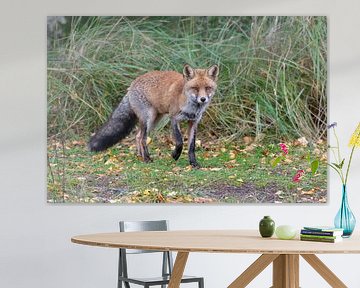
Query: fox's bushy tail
column 120, row 124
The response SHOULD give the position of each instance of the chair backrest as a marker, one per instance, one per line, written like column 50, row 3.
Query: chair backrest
column 133, row 226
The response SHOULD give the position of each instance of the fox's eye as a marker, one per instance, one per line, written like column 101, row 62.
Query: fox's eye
column 207, row 88
column 196, row 89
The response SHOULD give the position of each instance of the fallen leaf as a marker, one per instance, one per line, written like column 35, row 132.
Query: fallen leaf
column 310, row 192
column 250, row 148
column 78, row 143
column 248, row 140
column 215, row 169
column 301, row 142
column 317, row 151
column 188, row 168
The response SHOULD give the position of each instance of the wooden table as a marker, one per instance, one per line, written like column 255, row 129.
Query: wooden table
column 284, row 254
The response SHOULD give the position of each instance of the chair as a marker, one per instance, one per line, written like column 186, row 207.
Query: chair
column 167, row 262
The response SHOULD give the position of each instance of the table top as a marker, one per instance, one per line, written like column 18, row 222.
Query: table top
column 217, row 241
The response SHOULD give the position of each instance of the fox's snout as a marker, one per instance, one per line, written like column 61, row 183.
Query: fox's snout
column 200, row 98
column 203, row 99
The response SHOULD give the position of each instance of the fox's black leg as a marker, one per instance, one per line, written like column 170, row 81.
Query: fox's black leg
column 178, row 139
column 191, row 144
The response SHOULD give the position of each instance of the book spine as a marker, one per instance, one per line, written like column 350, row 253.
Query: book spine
column 319, row 236
column 318, row 239
column 320, row 233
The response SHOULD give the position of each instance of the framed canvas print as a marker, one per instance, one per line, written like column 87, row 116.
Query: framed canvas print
column 208, row 109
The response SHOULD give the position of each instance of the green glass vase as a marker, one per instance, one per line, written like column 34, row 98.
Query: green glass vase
column 266, row 227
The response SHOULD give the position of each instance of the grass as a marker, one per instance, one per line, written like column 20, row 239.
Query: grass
column 272, row 70
column 230, row 173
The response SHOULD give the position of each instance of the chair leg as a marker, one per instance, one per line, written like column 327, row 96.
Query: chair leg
column 201, row 283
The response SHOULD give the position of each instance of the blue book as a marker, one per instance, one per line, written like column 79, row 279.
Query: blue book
column 322, row 231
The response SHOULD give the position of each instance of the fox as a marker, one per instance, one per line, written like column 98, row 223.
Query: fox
column 151, row 96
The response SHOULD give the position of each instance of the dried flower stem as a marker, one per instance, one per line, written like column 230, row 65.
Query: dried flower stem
column 337, row 144
column 339, row 171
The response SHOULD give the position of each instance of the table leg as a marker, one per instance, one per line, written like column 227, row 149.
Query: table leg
column 286, row 271
column 324, row 271
column 178, row 270
column 253, row 270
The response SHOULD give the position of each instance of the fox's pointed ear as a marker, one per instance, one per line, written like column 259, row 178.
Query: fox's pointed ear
column 213, row 72
column 188, row 72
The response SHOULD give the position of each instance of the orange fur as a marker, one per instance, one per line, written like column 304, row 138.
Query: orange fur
column 184, row 97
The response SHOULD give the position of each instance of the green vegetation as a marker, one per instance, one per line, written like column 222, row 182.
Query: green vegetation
column 230, row 173
column 272, row 70
column 272, row 88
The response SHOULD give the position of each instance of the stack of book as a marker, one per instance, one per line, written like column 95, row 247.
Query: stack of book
column 321, row 234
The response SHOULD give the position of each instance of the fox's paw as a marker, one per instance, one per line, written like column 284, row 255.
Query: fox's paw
column 148, row 159
column 195, row 165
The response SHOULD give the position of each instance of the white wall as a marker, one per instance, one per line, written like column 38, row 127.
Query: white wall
column 35, row 248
